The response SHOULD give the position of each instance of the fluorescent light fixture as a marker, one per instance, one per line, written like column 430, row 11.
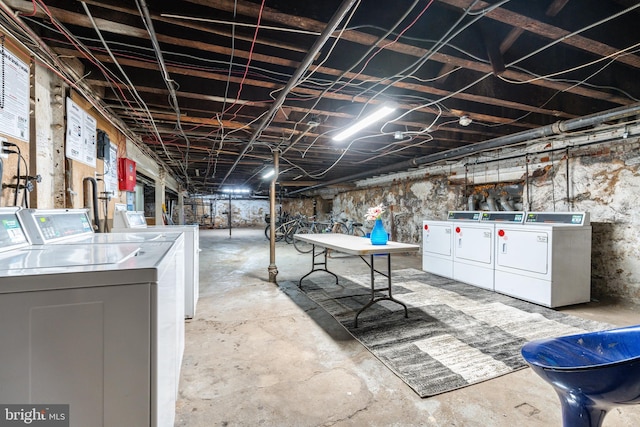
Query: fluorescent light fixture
column 269, row 173
column 236, row 190
column 383, row 111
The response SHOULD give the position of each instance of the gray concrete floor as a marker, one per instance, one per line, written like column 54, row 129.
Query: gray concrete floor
column 261, row 354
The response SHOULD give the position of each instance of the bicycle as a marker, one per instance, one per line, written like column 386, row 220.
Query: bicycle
column 285, row 228
column 350, row 227
column 312, row 227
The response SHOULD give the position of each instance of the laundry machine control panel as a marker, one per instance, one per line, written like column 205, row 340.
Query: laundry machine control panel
column 129, row 219
column 567, row 218
column 464, row 216
column 51, row 225
column 513, row 217
column 12, row 236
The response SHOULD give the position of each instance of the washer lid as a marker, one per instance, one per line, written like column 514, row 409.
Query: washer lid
column 42, row 257
column 132, row 237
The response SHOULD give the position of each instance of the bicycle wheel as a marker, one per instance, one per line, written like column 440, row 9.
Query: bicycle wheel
column 357, row 231
column 279, row 233
column 301, row 246
column 340, row 227
column 289, row 232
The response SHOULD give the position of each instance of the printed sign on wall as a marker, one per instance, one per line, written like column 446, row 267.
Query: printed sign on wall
column 111, row 170
column 80, row 143
column 14, row 97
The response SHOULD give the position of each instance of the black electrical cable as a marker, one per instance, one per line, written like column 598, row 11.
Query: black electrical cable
column 7, row 151
column 25, row 193
column 15, row 194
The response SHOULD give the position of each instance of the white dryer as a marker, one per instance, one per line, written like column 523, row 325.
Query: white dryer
column 92, row 326
column 437, row 242
column 473, row 255
column 134, row 221
column 547, row 260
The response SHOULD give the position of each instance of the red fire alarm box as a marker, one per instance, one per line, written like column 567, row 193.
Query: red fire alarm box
column 126, row 174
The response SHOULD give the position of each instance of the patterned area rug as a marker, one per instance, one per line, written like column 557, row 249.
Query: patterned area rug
column 456, row 334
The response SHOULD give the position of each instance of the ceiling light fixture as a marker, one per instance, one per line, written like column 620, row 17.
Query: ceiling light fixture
column 235, row 190
column 384, row 111
column 465, row 121
column 269, row 173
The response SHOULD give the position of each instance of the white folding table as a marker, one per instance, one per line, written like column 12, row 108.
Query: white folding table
column 360, row 246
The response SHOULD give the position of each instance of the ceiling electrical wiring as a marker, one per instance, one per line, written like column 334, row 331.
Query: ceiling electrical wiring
column 212, row 89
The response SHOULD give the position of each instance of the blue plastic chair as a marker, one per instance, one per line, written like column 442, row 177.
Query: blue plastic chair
column 591, row 372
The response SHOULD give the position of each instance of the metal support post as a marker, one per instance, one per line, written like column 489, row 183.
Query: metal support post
column 273, row 269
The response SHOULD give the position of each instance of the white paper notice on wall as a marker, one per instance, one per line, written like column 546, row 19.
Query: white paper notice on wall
column 111, row 170
column 80, row 142
column 14, row 97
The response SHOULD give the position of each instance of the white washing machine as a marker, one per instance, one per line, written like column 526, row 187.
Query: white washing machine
column 437, row 242
column 134, row 221
column 547, row 260
column 73, row 226
column 91, row 326
column 473, row 247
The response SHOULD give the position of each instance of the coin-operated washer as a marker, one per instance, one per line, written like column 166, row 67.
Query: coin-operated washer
column 73, row 227
column 473, row 249
column 547, row 260
column 134, row 222
column 437, row 242
column 92, row 326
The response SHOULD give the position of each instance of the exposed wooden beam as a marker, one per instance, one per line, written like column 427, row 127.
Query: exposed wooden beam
column 555, row 7
column 549, row 31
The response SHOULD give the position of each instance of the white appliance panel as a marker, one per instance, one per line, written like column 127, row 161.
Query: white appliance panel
column 55, row 225
column 548, row 264
column 524, row 249
column 130, row 222
column 474, row 243
column 119, row 310
column 527, row 288
column 437, row 238
column 67, row 346
column 473, row 249
column 437, row 248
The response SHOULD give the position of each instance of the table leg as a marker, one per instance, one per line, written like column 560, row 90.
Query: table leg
column 388, row 297
column 314, row 264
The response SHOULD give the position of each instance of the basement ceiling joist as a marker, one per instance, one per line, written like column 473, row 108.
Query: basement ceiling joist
column 193, row 79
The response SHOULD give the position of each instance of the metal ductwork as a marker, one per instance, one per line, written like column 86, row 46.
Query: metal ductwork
column 506, row 204
column 491, row 203
column 471, row 203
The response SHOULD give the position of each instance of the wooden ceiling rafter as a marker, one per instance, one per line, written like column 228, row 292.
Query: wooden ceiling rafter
column 197, row 56
column 399, row 47
column 363, row 39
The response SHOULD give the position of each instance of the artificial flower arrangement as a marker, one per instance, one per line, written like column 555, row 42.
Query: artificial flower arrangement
column 375, row 212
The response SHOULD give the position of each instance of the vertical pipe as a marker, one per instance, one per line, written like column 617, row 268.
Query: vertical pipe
column 569, row 201
column 229, row 214
column 94, row 204
column 273, row 269
column 527, row 182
